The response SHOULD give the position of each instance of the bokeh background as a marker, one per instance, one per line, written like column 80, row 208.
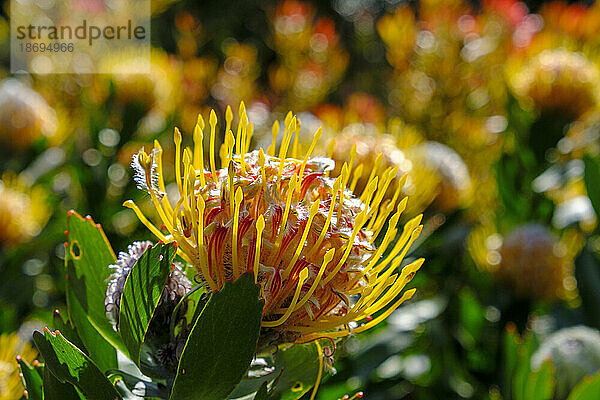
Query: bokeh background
column 492, row 109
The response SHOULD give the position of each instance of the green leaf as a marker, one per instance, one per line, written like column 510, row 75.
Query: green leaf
column 69, row 364
column 540, row 384
column 141, row 294
column 525, row 350
column 59, row 324
column 587, row 273
column 591, row 178
column 511, row 349
column 300, row 365
column 262, row 393
column 87, row 259
column 31, row 380
column 55, row 389
column 587, row 389
column 221, row 344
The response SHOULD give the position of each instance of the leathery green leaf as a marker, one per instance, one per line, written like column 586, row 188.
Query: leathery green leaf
column 221, row 344
column 141, row 294
column 69, row 364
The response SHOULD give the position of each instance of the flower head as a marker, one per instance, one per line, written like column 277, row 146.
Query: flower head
column 530, row 251
column 23, row 211
column 153, row 91
column 373, row 153
column 25, row 116
column 10, row 382
column 304, row 236
column 560, row 81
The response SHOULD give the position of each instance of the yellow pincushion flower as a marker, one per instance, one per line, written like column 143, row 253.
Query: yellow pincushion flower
column 559, row 81
column 25, row 116
column 303, row 235
column 23, row 211
column 373, row 153
column 156, row 90
column 10, row 383
column 529, row 260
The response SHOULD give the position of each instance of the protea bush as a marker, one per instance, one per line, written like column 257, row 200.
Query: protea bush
column 258, row 270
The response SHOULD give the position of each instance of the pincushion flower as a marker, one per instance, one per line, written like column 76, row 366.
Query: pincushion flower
column 454, row 188
column 10, row 381
column 559, row 80
column 306, row 239
column 25, row 116
column 23, row 211
column 156, row 90
column 373, row 153
column 530, row 251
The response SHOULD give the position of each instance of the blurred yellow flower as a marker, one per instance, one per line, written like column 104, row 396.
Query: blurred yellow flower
column 11, row 386
column 559, row 81
column 157, row 90
column 23, row 211
column 529, row 260
column 311, row 59
column 25, row 116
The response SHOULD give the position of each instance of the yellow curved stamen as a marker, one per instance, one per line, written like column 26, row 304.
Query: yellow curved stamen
column 326, row 260
column 357, row 174
column 228, row 119
column 241, row 133
column 336, row 188
column 314, row 208
column 286, row 213
column 152, row 192
column 230, row 174
column 177, row 141
column 284, row 148
column 296, row 135
column 201, row 248
column 161, row 182
column 274, row 132
column 406, row 296
column 360, row 221
column 249, row 135
column 344, row 176
column 378, row 161
column 131, row 205
column 301, row 278
column 399, row 284
column 229, row 143
column 261, row 163
column 260, row 226
column 316, row 137
column 338, row 334
column 199, row 149
column 212, row 120
column 381, row 190
column 187, row 159
column 412, row 229
column 191, row 181
column 239, row 197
